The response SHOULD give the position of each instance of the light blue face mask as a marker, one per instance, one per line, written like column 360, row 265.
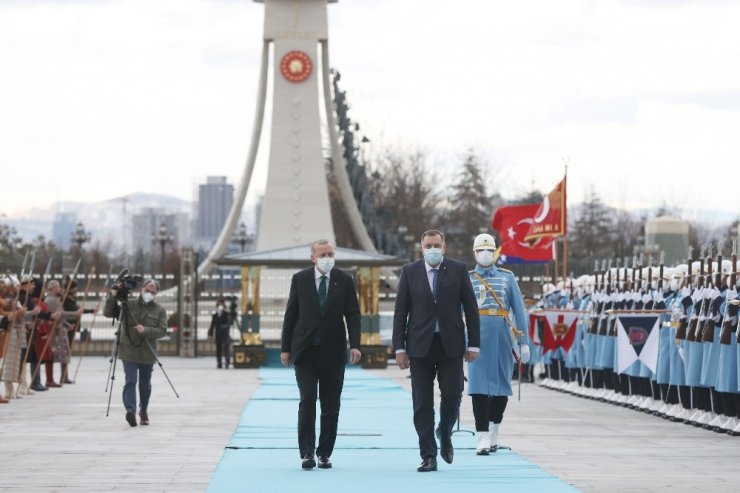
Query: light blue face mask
column 433, row 256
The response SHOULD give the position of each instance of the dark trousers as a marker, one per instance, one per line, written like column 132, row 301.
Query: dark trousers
column 488, row 408
column 449, row 373
column 312, row 371
column 223, row 345
column 143, row 373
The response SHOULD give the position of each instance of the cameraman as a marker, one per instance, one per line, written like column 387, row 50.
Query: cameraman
column 145, row 321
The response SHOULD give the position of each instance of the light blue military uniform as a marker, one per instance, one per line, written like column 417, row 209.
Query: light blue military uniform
column 727, row 378
column 711, row 349
column 490, row 374
column 665, row 342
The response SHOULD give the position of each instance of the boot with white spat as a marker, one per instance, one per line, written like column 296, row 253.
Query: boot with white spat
column 493, row 437
column 484, row 443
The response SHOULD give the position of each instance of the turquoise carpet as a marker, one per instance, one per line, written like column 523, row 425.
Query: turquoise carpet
column 376, row 449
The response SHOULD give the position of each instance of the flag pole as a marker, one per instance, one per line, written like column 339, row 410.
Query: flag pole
column 564, row 217
column 555, row 259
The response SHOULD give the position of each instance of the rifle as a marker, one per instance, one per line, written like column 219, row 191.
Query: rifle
column 626, row 286
column 594, row 322
column 649, row 289
column 711, row 322
column 612, row 331
column 706, row 320
column 607, row 302
column 698, row 305
column 684, row 322
column 731, row 310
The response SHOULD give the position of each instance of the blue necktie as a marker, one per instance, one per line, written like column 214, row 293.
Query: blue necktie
column 435, row 272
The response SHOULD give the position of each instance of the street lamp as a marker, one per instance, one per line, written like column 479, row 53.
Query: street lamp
column 80, row 236
column 242, row 238
column 163, row 237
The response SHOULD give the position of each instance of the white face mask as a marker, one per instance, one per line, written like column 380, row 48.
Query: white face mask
column 433, row 256
column 325, row 264
column 147, row 297
column 484, row 257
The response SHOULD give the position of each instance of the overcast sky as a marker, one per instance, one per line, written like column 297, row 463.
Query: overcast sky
column 103, row 98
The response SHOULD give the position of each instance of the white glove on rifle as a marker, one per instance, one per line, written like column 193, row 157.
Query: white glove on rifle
column 524, row 353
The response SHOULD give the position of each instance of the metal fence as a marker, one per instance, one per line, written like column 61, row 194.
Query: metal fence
column 273, row 296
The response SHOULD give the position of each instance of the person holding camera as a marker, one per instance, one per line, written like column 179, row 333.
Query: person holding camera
column 145, row 321
column 220, row 326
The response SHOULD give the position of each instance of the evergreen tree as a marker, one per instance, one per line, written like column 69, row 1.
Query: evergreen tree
column 592, row 233
column 470, row 206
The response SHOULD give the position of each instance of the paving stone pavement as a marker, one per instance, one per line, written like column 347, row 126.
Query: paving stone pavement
column 599, row 447
column 61, row 441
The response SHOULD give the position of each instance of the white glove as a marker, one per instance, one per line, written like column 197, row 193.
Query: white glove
column 731, row 294
column 714, row 294
column 646, row 297
column 659, row 296
column 524, row 353
column 685, row 292
column 707, row 293
column 481, row 296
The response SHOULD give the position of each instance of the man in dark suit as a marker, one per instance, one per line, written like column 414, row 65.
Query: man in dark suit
column 429, row 336
column 314, row 340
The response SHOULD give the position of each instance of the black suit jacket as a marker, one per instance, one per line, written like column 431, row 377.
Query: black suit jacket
column 416, row 312
column 304, row 320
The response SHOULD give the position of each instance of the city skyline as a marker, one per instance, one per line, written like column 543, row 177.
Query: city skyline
column 637, row 97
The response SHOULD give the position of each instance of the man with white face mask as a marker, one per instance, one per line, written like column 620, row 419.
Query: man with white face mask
column 146, row 321
column 489, row 376
column 314, row 340
column 429, row 337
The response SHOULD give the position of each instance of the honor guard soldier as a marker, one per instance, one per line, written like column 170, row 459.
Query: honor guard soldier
column 502, row 341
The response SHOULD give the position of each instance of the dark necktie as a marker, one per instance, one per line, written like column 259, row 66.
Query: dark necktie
column 435, row 272
column 322, row 292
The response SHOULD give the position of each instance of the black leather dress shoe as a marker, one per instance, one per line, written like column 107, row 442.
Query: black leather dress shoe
column 38, row 387
column 446, row 451
column 131, row 419
column 427, row 465
column 144, row 418
column 308, row 462
column 324, row 462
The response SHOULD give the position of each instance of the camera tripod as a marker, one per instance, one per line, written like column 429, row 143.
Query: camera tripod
column 123, row 315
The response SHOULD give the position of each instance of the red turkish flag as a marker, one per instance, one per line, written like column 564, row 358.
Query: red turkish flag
column 512, row 223
column 560, row 330
column 550, row 219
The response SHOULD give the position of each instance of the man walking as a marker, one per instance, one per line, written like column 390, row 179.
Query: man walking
column 314, row 340
column 429, row 336
column 489, row 382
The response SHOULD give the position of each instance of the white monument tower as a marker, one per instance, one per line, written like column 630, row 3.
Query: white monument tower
column 295, row 208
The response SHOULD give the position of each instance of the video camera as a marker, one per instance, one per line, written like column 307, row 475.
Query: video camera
column 125, row 283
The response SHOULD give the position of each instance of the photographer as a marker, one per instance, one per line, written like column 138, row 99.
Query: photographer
column 144, row 320
column 220, row 325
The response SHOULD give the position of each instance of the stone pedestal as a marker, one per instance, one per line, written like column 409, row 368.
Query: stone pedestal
column 252, row 356
column 375, row 356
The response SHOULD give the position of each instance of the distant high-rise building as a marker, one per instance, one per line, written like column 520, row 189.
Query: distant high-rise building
column 215, row 198
column 62, row 227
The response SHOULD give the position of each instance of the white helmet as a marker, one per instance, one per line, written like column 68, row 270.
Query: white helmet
column 484, row 241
